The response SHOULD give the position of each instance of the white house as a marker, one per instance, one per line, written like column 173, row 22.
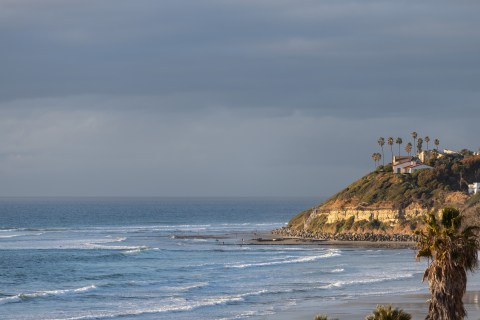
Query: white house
column 447, row 151
column 400, row 162
column 407, row 164
column 418, row 166
column 399, row 166
column 474, row 187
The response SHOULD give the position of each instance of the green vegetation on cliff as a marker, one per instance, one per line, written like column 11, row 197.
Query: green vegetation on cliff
column 426, row 187
column 429, row 189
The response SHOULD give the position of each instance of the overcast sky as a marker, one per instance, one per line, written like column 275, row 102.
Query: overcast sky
column 226, row 98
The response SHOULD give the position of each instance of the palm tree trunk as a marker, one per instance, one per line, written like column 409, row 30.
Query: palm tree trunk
column 446, row 304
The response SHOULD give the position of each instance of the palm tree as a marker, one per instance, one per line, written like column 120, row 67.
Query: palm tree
column 436, row 142
column 419, row 145
column 451, row 251
column 427, row 140
column 387, row 313
column 374, row 158
column 381, row 142
column 408, row 148
column 414, row 136
column 399, row 141
column 390, row 143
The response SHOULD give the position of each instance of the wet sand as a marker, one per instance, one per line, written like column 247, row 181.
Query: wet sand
column 415, row 304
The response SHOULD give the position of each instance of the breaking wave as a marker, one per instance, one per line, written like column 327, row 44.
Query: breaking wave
column 329, row 254
column 39, row 294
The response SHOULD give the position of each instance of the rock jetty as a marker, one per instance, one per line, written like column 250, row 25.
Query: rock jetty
column 367, row 236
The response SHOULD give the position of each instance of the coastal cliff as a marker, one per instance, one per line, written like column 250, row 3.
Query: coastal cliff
column 383, row 202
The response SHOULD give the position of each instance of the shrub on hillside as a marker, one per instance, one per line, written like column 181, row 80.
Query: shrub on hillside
column 388, row 313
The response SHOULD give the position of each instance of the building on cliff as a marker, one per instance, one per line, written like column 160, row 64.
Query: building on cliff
column 474, row 187
column 407, row 164
column 426, row 155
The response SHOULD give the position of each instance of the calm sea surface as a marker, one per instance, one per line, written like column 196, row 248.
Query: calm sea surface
column 176, row 258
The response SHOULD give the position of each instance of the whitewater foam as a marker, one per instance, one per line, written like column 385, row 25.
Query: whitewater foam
column 174, row 305
column 343, row 283
column 331, row 253
column 138, row 250
column 32, row 295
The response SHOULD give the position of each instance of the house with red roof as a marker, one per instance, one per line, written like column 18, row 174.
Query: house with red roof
column 408, row 164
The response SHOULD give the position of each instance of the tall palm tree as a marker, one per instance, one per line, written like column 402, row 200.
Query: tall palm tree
column 399, row 141
column 376, row 158
column 381, row 142
column 427, row 140
column 414, row 136
column 419, row 145
column 408, row 148
column 451, row 251
column 390, row 143
column 436, row 142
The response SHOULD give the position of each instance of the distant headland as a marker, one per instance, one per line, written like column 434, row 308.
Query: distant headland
column 390, row 203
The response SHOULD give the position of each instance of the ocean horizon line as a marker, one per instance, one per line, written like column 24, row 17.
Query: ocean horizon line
column 159, row 197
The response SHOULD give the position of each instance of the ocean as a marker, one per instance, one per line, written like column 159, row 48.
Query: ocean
column 178, row 258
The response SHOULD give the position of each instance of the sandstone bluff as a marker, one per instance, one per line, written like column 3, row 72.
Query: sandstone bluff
column 388, row 206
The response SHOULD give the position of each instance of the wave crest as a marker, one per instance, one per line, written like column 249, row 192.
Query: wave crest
column 329, row 254
column 32, row 295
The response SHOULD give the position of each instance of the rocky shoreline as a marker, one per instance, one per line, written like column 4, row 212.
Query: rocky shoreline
column 367, row 236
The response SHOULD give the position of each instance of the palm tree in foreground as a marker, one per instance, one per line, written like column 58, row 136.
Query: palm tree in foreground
column 436, row 142
column 451, row 252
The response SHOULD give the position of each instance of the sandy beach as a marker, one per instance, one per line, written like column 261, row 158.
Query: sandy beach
column 414, row 304
column 355, row 309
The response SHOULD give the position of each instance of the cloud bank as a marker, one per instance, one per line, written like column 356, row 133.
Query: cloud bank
column 205, row 98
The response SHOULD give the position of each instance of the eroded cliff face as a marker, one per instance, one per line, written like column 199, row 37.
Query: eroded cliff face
column 384, row 212
column 387, row 215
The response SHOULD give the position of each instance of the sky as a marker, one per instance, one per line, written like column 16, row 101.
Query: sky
column 227, row 98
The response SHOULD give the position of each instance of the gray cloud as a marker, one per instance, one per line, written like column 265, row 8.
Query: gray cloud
column 226, row 98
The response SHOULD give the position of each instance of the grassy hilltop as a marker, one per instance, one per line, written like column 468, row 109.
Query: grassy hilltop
column 408, row 197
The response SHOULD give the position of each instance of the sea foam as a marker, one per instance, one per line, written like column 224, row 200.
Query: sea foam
column 329, row 254
column 174, row 305
column 39, row 294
